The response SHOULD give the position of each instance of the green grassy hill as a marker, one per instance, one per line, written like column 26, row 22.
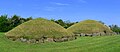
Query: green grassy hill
column 82, row 44
column 38, row 29
column 89, row 26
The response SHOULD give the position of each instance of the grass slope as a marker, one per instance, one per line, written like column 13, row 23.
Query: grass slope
column 88, row 26
column 38, row 28
column 82, row 44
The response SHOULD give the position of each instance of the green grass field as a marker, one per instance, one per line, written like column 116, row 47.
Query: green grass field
column 82, row 44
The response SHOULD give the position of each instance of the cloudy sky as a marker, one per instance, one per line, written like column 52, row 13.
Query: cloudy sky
column 107, row 11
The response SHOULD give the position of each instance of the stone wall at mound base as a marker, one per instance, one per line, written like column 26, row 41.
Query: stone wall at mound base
column 43, row 40
column 94, row 34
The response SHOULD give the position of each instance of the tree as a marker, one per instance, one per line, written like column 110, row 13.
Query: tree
column 61, row 22
column 4, row 23
column 101, row 22
column 52, row 20
column 115, row 28
column 7, row 24
column 30, row 18
column 68, row 24
column 64, row 24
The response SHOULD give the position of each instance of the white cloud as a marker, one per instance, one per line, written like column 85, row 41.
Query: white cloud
column 60, row 4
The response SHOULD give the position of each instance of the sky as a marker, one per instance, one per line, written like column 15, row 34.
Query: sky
column 107, row 11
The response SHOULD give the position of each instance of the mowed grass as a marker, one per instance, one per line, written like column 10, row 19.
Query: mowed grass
column 82, row 44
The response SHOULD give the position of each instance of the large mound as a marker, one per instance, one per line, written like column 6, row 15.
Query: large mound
column 90, row 27
column 38, row 29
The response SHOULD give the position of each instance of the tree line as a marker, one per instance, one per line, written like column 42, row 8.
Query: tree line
column 115, row 28
column 8, row 23
column 64, row 24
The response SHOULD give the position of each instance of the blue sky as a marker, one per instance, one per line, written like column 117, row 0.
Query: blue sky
column 107, row 11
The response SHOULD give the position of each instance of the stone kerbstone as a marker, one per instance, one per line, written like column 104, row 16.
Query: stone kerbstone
column 23, row 39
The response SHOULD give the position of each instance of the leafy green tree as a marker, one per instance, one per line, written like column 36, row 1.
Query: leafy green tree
column 115, row 28
column 16, row 20
column 4, row 23
column 61, row 22
column 7, row 24
column 68, row 24
column 65, row 24
column 30, row 18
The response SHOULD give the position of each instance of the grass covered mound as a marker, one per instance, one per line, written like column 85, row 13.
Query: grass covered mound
column 90, row 27
column 39, row 30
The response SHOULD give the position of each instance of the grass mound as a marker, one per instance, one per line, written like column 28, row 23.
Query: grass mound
column 89, row 27
column 38, row 29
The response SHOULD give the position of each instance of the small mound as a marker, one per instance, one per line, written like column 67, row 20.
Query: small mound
column 89, row 27
column 39, row 30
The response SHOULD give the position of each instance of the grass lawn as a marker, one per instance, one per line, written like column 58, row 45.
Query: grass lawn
column 82, row 44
